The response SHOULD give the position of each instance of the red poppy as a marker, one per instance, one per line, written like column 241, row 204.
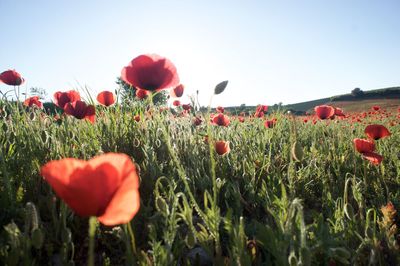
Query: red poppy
column 376, row 131
column 220, row 109
column 177, row 91
column 11, row 77
column 106, row 98
column 373, row 157
column 34, row 100
column 197, row 121
column 339, row 111
column 220, row 120
column 259, row 114
column 364, row 145
column 80, row 110
column 324, row 111
column 137, row 118
column 262, row 108
column 241, row 119
column 62, row 98
column 222, row 147
column 376, row 107
column 150, row 72
column 141, row 94
column 270, row 123
column 186, row 107
column 107, row 186
column 176, row 103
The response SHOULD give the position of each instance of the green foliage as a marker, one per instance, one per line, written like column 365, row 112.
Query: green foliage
column 291, row 195
column 128, row 94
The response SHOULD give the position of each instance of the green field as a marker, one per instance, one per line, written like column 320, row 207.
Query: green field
column 256, row 205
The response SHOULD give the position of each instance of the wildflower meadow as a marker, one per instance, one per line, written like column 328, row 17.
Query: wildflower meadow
column 98, row 181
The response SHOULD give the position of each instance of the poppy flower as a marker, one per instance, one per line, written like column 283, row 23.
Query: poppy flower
column 376, row 131
column 270, row 123
column 197, row 121
column 186, row 107
column 34, row 100
column 106, row 186
column 177, row 91
column 241, row 119
column 364, row 145
column 106, row 98
column 262, row 108
column 220, row 120
column 376, row 108
column 222, row 147
column 324, row 111
column 62, row 98
column 150, row 72
column 176, row 103
column 259, row 114
column 137, row 118
column 338, row 111
column 220, row 109
column 141, row 94
column 11, row 77
column 373, row 157
column 81, row 110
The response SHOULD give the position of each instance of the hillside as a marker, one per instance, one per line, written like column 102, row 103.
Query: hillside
column 386, row 98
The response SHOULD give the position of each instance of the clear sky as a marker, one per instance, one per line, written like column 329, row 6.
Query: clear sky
column 270, row 51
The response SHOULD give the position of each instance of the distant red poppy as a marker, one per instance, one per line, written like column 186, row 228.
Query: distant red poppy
column 106, row 98
column 262, row 108
column 339, row 111
column 270, row 123
column 141, row 94
column 376, row 107
column 220, row 109
column 186, row 107
column 197, row 121
column 376, row 131
column 137, row 118
column 11, row 77
column 177, row 91
column 150, row 72
column 222, row 147
column 364, row 145
column 62, row 98
column 81, row 110
column 324, row 111
column 259, row 114
column 176, row 103
column 221, row 120
column 34, row 100
column 106, row 186
column 241, row 119
column 373, row 157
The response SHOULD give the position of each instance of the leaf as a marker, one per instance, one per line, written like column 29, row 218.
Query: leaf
column 220, row 87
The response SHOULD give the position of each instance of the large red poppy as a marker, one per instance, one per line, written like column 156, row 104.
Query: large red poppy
column 177, row 91
column 150, row 72
column 81, row 110
column 324, row 111
column 364, row 145
column 34, row 100
column 222, row 147
column 11, row 77
column 373, row 157
column 220, row 120
column 376, row 131
column 62, row 98
column 106, row 98
column 107, row 186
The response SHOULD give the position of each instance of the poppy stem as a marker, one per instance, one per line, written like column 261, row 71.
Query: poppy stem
column 132, row 236
column 92, row 231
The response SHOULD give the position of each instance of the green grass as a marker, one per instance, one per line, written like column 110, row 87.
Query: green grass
column 255, row 205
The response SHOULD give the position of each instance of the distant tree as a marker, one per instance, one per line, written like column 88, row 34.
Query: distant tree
column 34, row 91
column 128, row 94
column 357, row 92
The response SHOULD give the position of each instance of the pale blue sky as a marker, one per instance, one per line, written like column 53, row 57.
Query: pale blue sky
column 270, row 51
